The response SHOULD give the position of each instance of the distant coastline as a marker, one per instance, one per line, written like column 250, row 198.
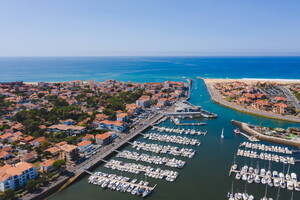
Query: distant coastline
column 217, row 98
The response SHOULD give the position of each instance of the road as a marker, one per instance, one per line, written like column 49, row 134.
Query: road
column 290, row 96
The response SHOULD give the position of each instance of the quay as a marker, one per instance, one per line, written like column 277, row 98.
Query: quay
column 246, row 127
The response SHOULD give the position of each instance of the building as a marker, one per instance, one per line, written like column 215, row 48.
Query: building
column 68, row 152
column 122, row 117
column 53, row 150
column 88, row 137
column 17, row 176
column 104, row 138
column 47, row 166
column 112, row 125
column 85, row 146
column 69, row 129
column 38, row 141
column 143, row 101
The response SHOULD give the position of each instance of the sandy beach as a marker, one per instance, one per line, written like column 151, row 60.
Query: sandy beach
column 252, row 80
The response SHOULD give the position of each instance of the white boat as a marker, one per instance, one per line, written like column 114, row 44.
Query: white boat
column 222, row 135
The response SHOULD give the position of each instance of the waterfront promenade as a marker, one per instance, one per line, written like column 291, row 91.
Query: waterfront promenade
column 217, row 97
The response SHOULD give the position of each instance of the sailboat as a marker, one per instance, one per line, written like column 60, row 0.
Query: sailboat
column 222, row 135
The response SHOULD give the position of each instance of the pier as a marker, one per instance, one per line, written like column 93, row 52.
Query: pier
column 295, row 184
column 138, row 168
column 173, row 150
column 172, row 139
column 152, row 159
column 120, row 183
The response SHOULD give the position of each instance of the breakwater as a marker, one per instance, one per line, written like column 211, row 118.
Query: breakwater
column 245, row 127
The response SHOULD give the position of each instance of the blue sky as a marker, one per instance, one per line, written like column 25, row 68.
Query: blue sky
column 149, row 27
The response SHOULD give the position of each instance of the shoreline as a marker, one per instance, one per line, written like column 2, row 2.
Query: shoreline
column 245, row 127
column 215, row 97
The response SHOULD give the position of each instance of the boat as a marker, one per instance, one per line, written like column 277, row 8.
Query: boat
column 222, row 135
column 146, row 192
column 236, row 131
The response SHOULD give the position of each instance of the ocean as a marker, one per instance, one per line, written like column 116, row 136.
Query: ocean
column 206, row 175
column 144, row 69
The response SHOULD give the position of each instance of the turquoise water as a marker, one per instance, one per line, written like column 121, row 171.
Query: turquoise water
column 206, row 175
column 147, row 68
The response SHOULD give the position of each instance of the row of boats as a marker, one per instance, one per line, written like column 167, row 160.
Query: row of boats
column 263, row 147
column 164, row 149
column 178, row 130
column 156, row 173
column 266, row 156
column 172, row 139
column 152, row 159
column 121, row 184
column 274, row 178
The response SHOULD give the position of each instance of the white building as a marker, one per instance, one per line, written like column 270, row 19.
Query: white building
column 16, row 176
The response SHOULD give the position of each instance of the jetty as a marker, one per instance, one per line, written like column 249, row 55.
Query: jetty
column 270, row 148
column 178, row 130
column 152, row 159
column 251, row 175
column 134, row 168
column 246, row 127
column 266, row 156
column 120, row 183
column 172, row 139
column 167, row 149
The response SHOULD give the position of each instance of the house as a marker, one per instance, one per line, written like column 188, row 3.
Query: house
column 28, row 157
column 69, row 122
column 47, row 166
column 136, row 109
column 60, row 144
column 38, row 141
column 4, row 155
column 68, row 152
column 104, row 138
column 85, row 146
column 53, row 150
column 280, row 108
column 88, row 137
column 143, row 101
column 27, row 139
column 17, row 176
column 69, row 129
column 122, row 117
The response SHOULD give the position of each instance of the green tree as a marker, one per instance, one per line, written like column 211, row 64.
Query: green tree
column 57, row 165
column 31, row 185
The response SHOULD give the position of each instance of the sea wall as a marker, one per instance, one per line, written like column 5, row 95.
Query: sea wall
column 245, row 127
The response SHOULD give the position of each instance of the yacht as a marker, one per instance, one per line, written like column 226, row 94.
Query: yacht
column 222, row 135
